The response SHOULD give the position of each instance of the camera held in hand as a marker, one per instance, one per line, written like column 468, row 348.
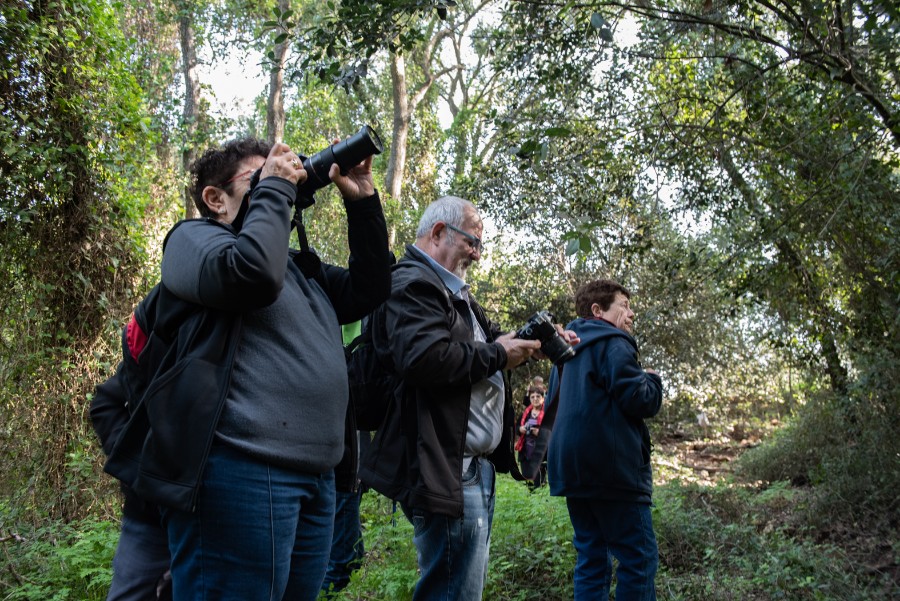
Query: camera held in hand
column 346, row 153
column 540, row 327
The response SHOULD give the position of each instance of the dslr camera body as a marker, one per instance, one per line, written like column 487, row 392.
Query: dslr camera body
column 540, row 327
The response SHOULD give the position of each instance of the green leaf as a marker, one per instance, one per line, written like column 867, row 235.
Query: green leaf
column 557, row 132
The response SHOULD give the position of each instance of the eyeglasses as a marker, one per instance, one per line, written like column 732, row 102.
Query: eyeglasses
column 237, row 177
column 474, row 241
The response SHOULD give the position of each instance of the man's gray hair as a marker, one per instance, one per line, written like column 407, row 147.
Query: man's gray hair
column 449, row 209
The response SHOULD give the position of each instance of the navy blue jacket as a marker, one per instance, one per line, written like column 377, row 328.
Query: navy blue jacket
column 600, row 447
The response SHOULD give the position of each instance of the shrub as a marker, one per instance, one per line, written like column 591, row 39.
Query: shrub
column 845, row 447
column 60, row 562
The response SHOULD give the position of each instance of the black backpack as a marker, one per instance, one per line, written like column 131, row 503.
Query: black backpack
column 146, row 340
column 373, row 383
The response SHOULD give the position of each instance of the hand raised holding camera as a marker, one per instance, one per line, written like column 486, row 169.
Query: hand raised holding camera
column 357, row 183
column 284, row 163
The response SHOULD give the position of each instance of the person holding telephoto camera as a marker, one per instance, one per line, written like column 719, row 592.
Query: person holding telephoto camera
column 241, row 448
column 451, row 421
column 599, row 457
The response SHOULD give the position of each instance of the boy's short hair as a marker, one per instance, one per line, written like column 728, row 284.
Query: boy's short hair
column 602, row 291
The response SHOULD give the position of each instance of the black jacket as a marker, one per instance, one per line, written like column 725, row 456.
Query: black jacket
column 425, row 335
column 162, row 450
column 109, row 414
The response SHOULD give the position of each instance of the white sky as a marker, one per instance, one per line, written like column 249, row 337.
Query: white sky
column 233, row 83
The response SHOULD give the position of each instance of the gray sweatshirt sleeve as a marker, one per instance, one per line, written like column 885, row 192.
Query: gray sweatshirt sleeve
column 212, row 265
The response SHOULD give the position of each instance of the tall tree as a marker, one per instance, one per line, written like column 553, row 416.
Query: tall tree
column 72, row 173
column 193, row 111
column 275, row 105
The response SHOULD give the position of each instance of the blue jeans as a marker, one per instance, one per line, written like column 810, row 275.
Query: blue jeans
column 259, row 532
column 347, row 544
column 604, row 530
column 453, row 552
column 141, row 559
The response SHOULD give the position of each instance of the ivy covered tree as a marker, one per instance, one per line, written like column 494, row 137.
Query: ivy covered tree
column 73, row 183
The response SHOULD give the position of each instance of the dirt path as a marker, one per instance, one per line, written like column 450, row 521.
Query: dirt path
column 699, row 460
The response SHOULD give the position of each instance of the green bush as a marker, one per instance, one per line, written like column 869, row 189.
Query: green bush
column 730, row 542
column 845, row 447
column 59, row 562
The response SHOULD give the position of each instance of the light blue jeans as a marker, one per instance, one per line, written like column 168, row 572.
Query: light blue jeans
column 259, row 533
column 453, row 552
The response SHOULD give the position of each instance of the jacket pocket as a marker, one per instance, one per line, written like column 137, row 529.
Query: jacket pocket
column 183, row 408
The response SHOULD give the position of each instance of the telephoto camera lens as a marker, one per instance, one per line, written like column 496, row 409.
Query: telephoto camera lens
column 346, row 153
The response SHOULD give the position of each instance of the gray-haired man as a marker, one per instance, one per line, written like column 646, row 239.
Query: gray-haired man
column 451, row 423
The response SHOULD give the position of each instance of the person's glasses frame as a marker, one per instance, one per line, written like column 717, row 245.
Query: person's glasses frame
column 474, row 241
column 236, row 177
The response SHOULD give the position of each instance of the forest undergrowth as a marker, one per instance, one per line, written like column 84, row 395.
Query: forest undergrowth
column 721, row 537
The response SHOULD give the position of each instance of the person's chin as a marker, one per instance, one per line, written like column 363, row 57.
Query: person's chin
column 461, row 271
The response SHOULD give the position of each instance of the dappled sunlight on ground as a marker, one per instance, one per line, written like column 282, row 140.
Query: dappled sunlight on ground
column 699, row 459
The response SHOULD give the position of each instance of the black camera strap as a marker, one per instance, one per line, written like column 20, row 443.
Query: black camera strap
column 307, row 260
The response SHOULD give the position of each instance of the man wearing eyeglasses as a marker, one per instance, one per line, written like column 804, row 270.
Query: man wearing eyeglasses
column 450, row 425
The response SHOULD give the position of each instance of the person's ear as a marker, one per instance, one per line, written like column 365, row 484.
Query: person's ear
column 436, row 230
column 596, row 311
column 214, row 198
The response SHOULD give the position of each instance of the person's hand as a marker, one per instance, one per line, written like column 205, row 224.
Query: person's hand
column 651, row 371
column 568, row 335
column 518, row 351
column 282, row 162
column 358, row 182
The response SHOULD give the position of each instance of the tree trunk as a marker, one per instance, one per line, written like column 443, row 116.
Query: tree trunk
column 812, row 295
column 396, row 169
column 191, row 113
column 275, row 106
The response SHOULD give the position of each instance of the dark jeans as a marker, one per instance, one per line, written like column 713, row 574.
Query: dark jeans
column 347, row 548
column 259, row 532
column 140, row 562
column 604, row 530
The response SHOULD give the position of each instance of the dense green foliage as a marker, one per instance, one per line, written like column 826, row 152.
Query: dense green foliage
column 72, row 202
column 717, row 543
column 736, row 164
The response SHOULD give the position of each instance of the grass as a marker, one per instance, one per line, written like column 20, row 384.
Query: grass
column 729, row 540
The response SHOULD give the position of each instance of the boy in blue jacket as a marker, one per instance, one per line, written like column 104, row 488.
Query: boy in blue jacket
column 599, row 457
